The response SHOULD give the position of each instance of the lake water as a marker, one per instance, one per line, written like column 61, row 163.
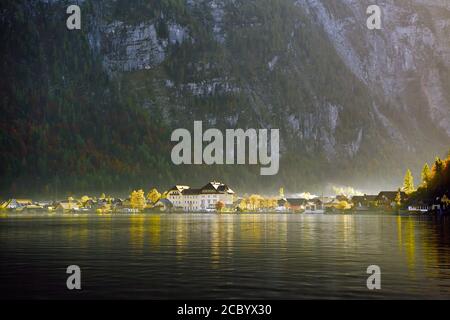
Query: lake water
column 189, row 256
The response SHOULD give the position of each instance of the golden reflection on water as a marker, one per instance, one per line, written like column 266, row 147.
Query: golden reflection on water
column 181, row 238
column 250, row 229
column 105, row 228
column 348, row 229
column 78, row 230
column 407, row 241
column 230, row 235
column 215, row 242
column 410, row 244
column 137, row 231
column 399, row 232
column 422, row 242
column 154, row 228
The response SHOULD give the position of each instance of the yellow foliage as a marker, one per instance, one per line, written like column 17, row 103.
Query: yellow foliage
column 408, row 184
column 164, row 195
column 154, row 196
column 343, row 205
column 137, row 200
column 219, row 206
column 84, row 200
column 255, row 201
column 105, row 209
column 445, row 200
column 243, row 204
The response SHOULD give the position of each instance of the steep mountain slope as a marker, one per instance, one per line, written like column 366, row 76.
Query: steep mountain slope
column 95, row 108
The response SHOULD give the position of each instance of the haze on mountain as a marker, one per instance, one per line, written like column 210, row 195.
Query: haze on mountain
column 93, row 109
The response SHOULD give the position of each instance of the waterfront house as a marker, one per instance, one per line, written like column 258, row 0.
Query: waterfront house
column 17, row 203
column 342, row 197
column 314, row 205
column 68, row 206
column 175, row 195
column 365, row 202
column 35, row 208
column 387, row 199
column 333, row 202
column 201, row 199
column 239, row 204
column 418, row 207
column 437, row 205
column 163, row 205
column 296, row 204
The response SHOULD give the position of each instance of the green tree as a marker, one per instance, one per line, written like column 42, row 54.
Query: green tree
column 408, row 183
column 438, row 168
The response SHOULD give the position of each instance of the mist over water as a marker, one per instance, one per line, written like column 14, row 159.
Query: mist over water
column 189, row 256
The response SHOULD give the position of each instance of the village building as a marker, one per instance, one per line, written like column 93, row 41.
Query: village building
column 418, row 207
column 68, row 206
column 163, row 205
column 296, row 204
column 35, row 208
column 202, row 199
column 365, row 202
column 341, row 197
column 314, row 205
column 16, row 203
column 388, row 198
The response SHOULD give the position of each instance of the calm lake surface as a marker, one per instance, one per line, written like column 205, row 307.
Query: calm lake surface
column 189, row 256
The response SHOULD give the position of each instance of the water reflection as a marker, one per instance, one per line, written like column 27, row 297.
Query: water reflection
column 181, row 237
column 229, row 255
column 137, row 232
column 154, row 228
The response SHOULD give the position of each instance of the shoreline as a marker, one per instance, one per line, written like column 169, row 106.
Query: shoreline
column 204, row 213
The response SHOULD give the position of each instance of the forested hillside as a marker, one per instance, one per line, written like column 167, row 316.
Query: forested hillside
column 91, row 110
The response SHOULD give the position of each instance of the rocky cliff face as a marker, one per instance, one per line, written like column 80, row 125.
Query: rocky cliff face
column 350, row 102
column 406, row 60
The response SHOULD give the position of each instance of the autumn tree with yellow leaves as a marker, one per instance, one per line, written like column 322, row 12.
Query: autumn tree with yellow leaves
column 219, row 206
column 243, row 204
column 153, row 196
column 254, row 201
column 137, row 200
column 408, row 184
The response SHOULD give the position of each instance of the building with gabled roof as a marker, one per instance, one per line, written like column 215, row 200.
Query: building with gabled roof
column 16, row 203
column 388, row 198
column 201, row 199
column 364, row 202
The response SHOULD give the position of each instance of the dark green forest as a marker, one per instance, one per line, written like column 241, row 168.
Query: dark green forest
column 68, row 125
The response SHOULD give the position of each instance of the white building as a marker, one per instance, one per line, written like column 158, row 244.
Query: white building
column 203, row 199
